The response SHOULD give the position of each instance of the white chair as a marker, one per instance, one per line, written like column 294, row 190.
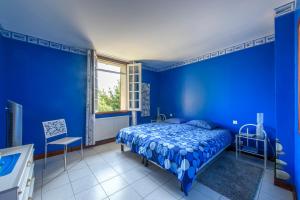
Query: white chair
column 56, row 128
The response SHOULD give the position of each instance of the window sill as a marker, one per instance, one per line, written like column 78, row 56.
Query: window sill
column 112, row 112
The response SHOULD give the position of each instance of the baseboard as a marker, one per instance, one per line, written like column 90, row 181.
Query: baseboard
column 295, row 194
column 283, row 184
column 286, row 186
column 109, row 140
column 76, row 148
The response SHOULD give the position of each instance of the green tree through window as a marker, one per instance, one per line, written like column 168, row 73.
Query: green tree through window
column 110, row 100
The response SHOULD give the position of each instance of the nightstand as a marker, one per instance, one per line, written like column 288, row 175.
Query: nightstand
column 240, row 146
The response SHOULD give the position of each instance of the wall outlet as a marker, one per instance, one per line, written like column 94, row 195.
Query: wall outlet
column 235, row 122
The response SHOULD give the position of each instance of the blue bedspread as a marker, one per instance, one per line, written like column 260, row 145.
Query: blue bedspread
column 179, row 148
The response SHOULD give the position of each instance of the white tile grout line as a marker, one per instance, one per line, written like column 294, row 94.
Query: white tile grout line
column 96, row 178
column 120, row 174
column 70, row 182
column 259, row 187
column 130, row 184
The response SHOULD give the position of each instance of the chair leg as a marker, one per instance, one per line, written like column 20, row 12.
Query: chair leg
column 81, row 150
column 45, row 159
column 65, row 155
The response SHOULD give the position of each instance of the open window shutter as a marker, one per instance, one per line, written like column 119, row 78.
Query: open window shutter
column 134, row 79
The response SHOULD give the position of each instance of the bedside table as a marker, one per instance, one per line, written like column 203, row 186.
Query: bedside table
column 239, row 147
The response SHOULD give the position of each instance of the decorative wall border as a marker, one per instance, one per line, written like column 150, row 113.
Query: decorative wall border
column 154, row 69
column 284, row 9
column 41, row 42
column 225, row 51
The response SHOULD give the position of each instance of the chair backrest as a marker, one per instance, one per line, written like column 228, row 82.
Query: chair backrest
column 54, row 128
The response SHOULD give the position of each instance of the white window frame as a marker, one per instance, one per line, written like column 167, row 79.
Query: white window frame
column 132, row 81
column 123, row 71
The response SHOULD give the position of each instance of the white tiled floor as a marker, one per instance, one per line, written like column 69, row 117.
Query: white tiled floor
column 107, row 173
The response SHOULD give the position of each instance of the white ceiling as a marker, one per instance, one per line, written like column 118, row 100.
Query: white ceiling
column 160, row 32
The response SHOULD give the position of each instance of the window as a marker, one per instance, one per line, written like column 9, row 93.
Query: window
column 134, row 72
column 111, row 86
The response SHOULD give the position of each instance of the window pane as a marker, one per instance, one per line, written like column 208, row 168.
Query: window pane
column 136, row 78
column 130, row 86
column 136, row 69
column 108, row 83
column 136, row 95
column 136, row 87
column 130, row 95
column 137, row 104
column 131, row 104
column 130, row 78
column 130, row 69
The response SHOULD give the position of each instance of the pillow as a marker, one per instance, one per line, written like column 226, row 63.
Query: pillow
column 175, row 121
column 202, row 124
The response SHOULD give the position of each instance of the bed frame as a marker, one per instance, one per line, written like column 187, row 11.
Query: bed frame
column 210, row 161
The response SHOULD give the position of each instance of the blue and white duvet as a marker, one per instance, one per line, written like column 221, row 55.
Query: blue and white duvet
column 179, row 148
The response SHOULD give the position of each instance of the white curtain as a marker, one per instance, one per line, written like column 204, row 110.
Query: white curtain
column 91, row 97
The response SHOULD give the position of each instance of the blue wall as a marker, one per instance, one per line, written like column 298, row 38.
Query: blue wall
column 50, row 84
column 233, row 86
column 151, row 78
column 285, row 94
column 297, row 134
column 2, row 95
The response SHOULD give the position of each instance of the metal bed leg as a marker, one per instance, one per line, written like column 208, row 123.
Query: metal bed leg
column 81, row 150
column 182, row 190
column 143, row 160
column 45, row 159
column 66, row 149
column 146, row 163
column 122, row 147
column 265, row 153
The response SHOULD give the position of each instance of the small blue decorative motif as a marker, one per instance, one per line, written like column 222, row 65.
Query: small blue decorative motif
column 32, row 40
column 207, row 56
column 18, row 36
column 55, row 45
column 179, row 148
column 5, row 33
column 249, row 44
column 214, row 54
column 239, row 47
column 222, row 52
column 270, row 38
column 284, row 9
column 44, row 43
column 260, row 41
column 65, row 48
column 229, row 50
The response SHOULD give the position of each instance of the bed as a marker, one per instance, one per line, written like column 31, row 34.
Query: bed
column 181, row 149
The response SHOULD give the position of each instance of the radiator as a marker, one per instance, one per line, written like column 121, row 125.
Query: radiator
column 108, row 127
